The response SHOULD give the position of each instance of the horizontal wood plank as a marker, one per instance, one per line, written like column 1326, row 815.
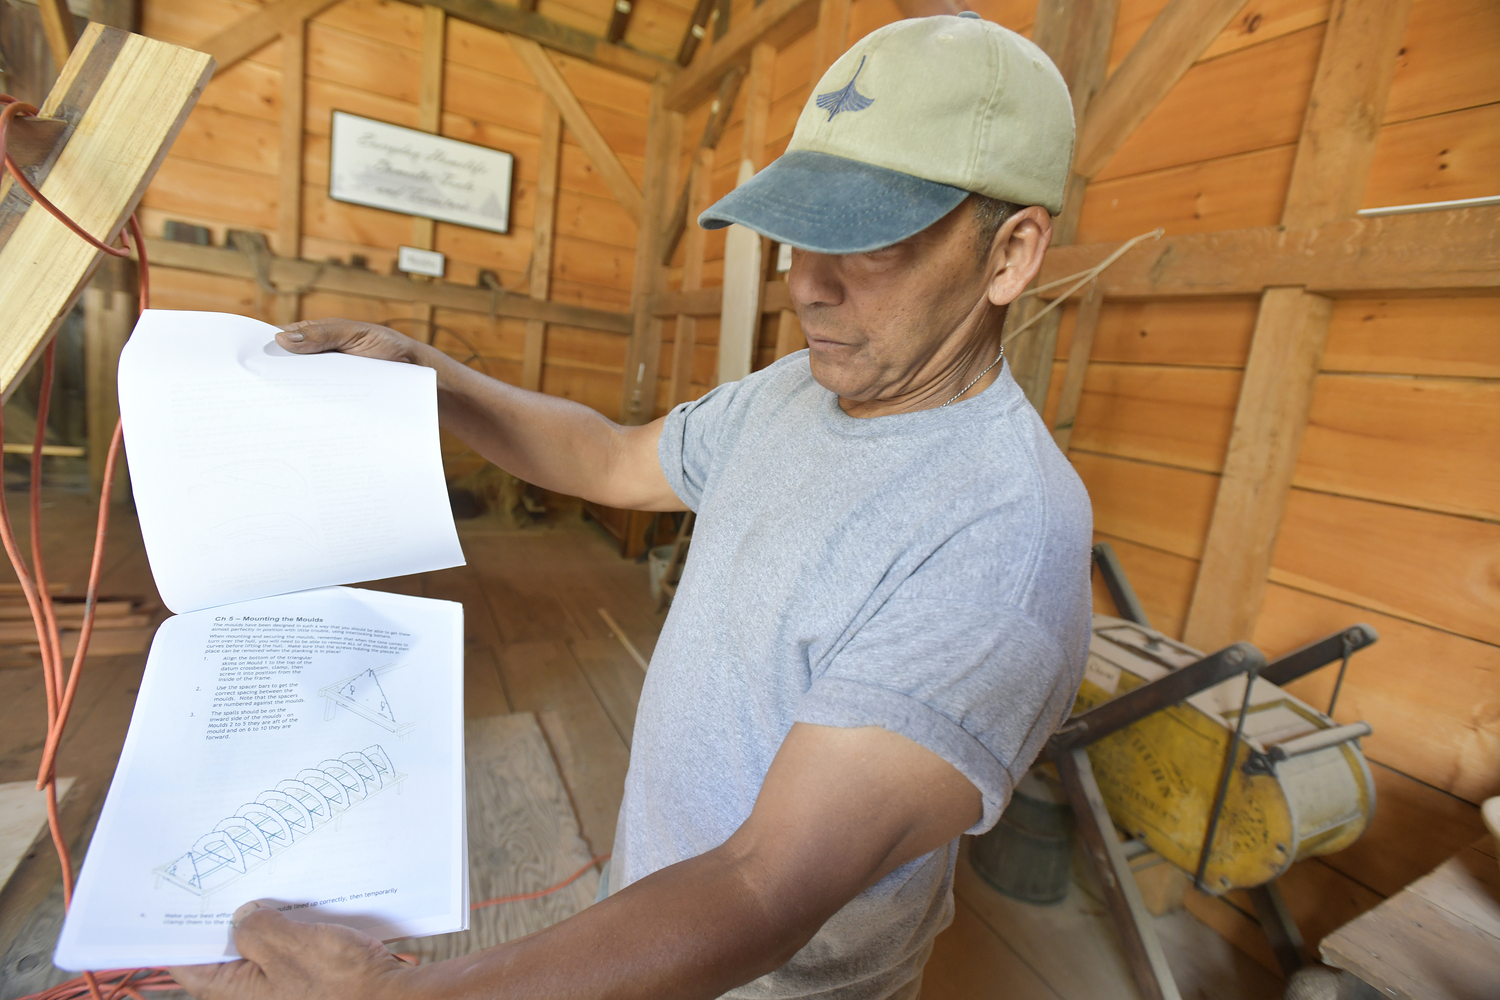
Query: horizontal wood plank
column 1155, row 505
column 1426, row 692
column 1445, row 250
column 1376, row 335
column 357, row 281
column 1442, row 158
column 1208, row 333
column 1163, row 582
column 1373, row 436
column 1434, row 569
column 1176, row 416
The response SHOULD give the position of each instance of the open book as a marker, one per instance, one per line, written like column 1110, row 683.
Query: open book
column 293, row 740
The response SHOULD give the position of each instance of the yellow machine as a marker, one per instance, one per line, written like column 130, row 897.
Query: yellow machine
column 1299, row 785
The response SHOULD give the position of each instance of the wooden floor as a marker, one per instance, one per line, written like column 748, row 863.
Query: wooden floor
column 535, row 641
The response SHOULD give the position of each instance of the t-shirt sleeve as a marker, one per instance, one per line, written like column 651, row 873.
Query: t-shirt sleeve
column 980, row 686
column 690, row 440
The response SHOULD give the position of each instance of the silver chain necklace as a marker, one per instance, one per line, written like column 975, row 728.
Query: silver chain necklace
column 977, row 377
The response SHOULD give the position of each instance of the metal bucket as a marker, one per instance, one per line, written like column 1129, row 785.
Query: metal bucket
column 1027, row 856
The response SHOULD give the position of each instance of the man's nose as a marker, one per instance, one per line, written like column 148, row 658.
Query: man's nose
column 814, row 279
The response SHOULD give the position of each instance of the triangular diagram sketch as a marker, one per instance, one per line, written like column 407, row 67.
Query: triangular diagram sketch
column 280, row 818
column 363, row 695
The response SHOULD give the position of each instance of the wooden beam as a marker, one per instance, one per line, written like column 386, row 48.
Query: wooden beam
column 126, row 98
column 57, row 26
column 619, row 20
column 344, row 280
column 700, row 194
column 257, row 30
column 774, row 297
column 789, row 337
column 535, row 349
column 757, row 106
column 109, row 314
column 524, row 22
column 1360, row 46
column 429, row 119
column 1084, row 328
column 1077, row 35
column 1345, row 110
column 643, row 352
column 774, row 22
column 713, row 130
column 288, row 308
column 696, row 30
column 614, row 174
column 739, row 323
column 1174, row 41
column 831, row 36
column 1441, row 252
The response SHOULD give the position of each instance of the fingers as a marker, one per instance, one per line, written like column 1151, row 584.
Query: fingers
column 318, row 336
column 264, row 935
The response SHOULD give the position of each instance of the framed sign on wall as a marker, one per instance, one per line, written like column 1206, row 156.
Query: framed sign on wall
column 417, row 173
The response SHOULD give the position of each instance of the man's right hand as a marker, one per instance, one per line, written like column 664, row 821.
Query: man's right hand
column 367, row 340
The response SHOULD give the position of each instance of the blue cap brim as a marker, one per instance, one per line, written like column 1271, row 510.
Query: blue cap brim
column 830, row 204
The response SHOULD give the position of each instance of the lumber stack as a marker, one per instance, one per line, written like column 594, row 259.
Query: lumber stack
column 121, row 625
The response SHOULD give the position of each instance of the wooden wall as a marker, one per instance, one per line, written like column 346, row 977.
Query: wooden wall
column 364, row 56
column 1394, row 516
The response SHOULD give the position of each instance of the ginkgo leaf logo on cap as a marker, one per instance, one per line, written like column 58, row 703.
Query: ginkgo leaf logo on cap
column 846, row 98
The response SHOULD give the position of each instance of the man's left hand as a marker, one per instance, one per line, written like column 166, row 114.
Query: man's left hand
column 296, row 961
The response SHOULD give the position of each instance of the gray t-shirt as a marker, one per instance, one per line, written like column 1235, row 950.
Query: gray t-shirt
column 926, row 572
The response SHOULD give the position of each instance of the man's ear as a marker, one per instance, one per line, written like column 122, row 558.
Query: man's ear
column 1016, row 255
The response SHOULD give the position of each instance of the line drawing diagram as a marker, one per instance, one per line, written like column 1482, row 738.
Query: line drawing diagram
column 280, row 818
column 363, row 695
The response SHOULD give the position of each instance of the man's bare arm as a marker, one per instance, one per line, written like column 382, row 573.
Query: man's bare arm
column 550, row 442
column 839, row 809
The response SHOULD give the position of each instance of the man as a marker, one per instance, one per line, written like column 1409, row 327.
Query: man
column 885, row 612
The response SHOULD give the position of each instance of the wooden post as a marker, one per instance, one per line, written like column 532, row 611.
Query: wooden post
column 535, row 348
column 57, row 25
column 744, row 250
column 109, row 314
column 1328, row 180
column 832, row 36
column 789, row 338
column 1068, row 399
column 288, row 307
column 1076, row 34
column 429, row 119
column 692, row 276
column 643, row 351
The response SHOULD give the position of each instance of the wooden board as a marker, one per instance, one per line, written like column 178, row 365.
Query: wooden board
column 1438, row 939
column 1374, row 335
column 1157, row 505
column 1177, row 416
column 23, row 818
column 126, row 97
column 1372, row 436
column 523, row 836
column 1210, row 333
column 1445, row 250
column 1437, row 571
column 1270, row 84
column 1418, row 686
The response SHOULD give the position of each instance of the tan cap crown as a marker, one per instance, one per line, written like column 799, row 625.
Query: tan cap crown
column 956, row 100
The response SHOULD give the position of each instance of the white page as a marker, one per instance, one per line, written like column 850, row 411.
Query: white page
column 235, row 704
column 259, row 472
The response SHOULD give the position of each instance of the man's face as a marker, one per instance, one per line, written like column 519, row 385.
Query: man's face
column 880, row 325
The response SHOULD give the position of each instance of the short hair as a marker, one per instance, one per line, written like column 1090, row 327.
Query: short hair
column 989, row 215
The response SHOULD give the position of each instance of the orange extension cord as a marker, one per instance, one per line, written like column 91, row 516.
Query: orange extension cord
column 61, row 686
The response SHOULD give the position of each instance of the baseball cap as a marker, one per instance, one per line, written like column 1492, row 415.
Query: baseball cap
column 902, row 128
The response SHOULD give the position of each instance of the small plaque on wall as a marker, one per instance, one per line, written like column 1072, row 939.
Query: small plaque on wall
column 416, row 173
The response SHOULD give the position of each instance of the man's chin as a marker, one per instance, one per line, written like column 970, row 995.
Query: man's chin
column 838, row 377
